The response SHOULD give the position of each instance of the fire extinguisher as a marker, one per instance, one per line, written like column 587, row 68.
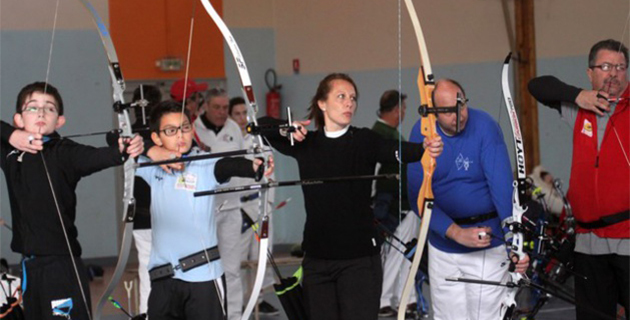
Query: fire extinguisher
column 273, row 96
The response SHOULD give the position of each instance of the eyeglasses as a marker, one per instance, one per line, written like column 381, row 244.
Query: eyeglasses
column 36, row 109
column 607, row 67
column 171, row 131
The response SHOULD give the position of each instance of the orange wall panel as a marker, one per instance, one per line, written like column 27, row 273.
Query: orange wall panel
column 145, row 31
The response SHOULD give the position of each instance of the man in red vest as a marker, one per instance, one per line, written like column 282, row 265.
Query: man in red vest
column 599, row 188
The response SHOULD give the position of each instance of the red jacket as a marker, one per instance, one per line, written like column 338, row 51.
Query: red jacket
column 600, row 181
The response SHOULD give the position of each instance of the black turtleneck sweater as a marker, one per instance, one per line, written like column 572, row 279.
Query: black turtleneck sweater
column 339, row 220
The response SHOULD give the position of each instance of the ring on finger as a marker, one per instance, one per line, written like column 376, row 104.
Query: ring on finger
column 30, row 139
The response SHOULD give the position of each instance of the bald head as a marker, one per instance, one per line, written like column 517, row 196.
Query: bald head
column 445, row 95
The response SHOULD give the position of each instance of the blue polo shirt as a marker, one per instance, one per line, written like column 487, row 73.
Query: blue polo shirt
column 182, row 224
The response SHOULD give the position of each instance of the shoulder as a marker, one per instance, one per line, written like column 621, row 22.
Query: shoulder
column 362, row 132
column 366, row 135
column 482, row 120
column 231, row 125
column 198, row 124
column 480, row 116
column 65, row 144
column 377, row 126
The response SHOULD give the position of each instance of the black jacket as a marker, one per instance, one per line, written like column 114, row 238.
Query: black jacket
column 36, row 226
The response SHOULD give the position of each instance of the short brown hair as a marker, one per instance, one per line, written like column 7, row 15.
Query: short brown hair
column 42, row 87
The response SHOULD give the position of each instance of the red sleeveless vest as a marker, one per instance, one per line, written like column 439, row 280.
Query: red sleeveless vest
column 600, row 181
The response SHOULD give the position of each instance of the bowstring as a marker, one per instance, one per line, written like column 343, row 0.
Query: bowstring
column 625, row 28
column 52, row 189
column 187, row 70
column 182, row 115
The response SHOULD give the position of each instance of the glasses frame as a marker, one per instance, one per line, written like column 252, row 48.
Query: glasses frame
column 177, row 129
column 37, row 110
column 607, row 67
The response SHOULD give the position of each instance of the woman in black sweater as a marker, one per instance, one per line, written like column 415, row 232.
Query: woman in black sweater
column 342, row 267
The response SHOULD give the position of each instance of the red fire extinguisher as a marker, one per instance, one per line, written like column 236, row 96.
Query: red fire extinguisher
column 273, row 96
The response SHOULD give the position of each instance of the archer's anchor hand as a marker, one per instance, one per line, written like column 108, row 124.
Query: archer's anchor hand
column 593, row 100
column 25, row 141
column 158, row 153
column 133, row 147
column 435, row 146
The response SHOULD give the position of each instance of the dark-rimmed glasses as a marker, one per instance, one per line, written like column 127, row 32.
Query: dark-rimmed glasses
column 171, row 131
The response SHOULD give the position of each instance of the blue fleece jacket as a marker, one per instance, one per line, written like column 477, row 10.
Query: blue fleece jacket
column 473, row 177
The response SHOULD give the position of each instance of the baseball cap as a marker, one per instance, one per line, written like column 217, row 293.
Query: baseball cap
column 177, row 89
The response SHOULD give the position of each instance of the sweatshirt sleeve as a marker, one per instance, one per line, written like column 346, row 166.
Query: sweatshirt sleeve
column 6, row 130
column 276, row 140
column 414, row 171
column 86, row 160
column 497, row 170
column 390, row 151
column 551, row 92
column 227, row 168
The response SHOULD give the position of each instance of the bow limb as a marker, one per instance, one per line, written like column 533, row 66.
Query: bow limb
column 519, row 196
column 124, row 124
column 426, row 85
column 252, row 109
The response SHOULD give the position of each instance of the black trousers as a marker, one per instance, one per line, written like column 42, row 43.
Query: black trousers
column 50, row 282
column 607, row 285
column 173, row 299
column 343, row 289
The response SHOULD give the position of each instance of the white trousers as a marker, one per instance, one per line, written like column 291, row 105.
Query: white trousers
column 234, row 247
column 467, row 301
column 142, row 239
column 229, row 233
column 396, row 266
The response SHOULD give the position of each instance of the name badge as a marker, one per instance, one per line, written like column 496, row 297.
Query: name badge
column 186, row 181
column 587, row 128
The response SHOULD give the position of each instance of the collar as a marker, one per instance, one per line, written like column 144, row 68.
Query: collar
column 335, row 134
column 209, row 124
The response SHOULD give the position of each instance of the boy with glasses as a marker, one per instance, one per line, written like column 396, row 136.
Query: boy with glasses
column 34, row 159
column 185, row 266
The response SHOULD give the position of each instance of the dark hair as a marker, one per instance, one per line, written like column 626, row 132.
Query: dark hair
column 235, row 101
column 437, row 84
column 314, row 112
column 389, row 100
column 42, row 87
column 609, row 44
column 151, row 93
column 163, row 108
